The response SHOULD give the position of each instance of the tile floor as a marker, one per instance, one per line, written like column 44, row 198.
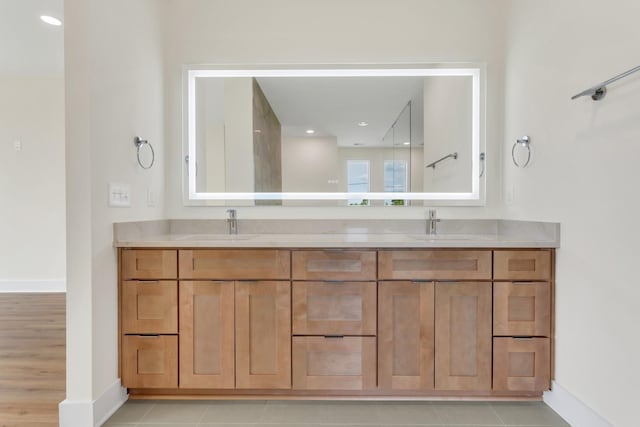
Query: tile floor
column 317, row 414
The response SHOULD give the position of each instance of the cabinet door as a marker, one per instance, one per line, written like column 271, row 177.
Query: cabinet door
column 463, row 336
column 334, row 265
column 344, row 308
column 150, row 307
column 150, row 361
column 207, row 345
column 263, row 335
column 235, row 264
column 334, row 363
column 434, row 264
column 521, row 308
column 521, row 364
column 149, row 264
column 405, row 335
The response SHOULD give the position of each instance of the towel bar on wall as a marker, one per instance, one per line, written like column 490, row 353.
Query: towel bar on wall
column 598, row 92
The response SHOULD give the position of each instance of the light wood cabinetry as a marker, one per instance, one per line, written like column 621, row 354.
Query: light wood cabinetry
column 334, row 265
column 521, row 364
column 463, row 336
column 334, row 363
column 323, row 322
column 150, row 361
column 263, row 335
column 434, row 264
column 406, row 335
column 522, row 325
column 334, row 308
column 207, row 334
column 235, row 264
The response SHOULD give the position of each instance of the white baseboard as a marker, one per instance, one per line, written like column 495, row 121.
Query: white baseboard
column 17, row 286
column 572, row 409
column 85, row 413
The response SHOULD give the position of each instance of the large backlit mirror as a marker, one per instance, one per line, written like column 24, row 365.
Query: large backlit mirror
column 367, row 136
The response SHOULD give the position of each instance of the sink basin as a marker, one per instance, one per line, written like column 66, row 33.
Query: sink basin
column 225, row 237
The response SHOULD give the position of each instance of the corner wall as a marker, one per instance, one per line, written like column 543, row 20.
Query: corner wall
column 115, row 91
column 584, row 174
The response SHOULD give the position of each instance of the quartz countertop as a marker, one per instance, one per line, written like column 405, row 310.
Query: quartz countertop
column 337, row 234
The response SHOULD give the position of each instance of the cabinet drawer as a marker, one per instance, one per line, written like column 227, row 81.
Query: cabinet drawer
column 327, row 363
column 150, row 361
column 149, row 264
column 150, row 307
column 334, row 265
column 434, row 265
column 521, row 364
column 235, row 264
column 521, row 308
column 341, row 308
column 522, row 265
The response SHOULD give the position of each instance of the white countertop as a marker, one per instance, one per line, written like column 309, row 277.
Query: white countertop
column 189, row 235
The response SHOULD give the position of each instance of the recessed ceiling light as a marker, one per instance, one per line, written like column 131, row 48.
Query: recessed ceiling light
column 363, row 124
column 406, row 143
column 309, row 131
column 51, row 20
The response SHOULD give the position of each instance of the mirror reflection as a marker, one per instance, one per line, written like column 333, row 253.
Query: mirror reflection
column 350, row 140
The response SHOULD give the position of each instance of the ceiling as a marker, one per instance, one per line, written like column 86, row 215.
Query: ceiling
column 28, row 46
column 333, row 106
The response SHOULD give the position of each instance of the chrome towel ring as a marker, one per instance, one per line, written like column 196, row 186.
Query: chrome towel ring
column 524, row 142
column 139, row 143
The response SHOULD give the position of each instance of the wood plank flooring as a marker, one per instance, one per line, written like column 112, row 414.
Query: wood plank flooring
column 32, row 359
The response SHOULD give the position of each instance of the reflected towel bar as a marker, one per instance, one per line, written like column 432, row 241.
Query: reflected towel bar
column 433, row 165
column 598, row 92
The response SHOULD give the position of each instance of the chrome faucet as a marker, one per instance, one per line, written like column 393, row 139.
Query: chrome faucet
column 232, row 221
column 432, row 221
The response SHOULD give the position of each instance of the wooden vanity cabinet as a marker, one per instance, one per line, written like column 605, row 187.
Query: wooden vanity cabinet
column 522, row 293
column 406, row 335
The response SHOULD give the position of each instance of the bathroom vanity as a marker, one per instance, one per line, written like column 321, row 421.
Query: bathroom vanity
column 336, row 315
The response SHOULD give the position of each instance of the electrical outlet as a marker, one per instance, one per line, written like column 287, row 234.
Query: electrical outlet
column 17, row 145
column 119, row 195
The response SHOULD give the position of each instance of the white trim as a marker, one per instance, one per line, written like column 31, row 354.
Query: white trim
column 84, row 413
column 17, row 286
column 572, row 409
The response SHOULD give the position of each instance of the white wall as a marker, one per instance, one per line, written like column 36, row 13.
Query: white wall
column 584, row 174
column 32, row 203
column 115, row 90
column 291, row 31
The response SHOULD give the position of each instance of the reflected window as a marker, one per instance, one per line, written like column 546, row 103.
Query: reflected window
column 395, row 180
column 358, row 181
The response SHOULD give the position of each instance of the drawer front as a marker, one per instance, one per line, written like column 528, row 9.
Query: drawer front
column 522, row 265
column 150, row 307
column 235, row 264
column 321, row 363
column 149, row 264
column 341, row 308
column 522, row 308
column 521, row 364
column 334, row 265
column 434, row 264
column 150, row 361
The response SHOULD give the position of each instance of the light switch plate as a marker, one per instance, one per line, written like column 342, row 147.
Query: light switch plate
column 119, row 195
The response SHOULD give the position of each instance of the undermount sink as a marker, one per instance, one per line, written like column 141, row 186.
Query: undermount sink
column 226, row 237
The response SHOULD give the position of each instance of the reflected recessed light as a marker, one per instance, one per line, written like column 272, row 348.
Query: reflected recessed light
column 309, row 131
column 51, row 20
column 363, row 124
column 406, row 143
column 257, row 131
column 358, row 144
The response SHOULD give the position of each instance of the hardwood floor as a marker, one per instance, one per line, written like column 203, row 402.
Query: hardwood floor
column 32, row 359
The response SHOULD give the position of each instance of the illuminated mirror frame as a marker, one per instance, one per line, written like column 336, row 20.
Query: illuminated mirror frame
column 475, row 71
